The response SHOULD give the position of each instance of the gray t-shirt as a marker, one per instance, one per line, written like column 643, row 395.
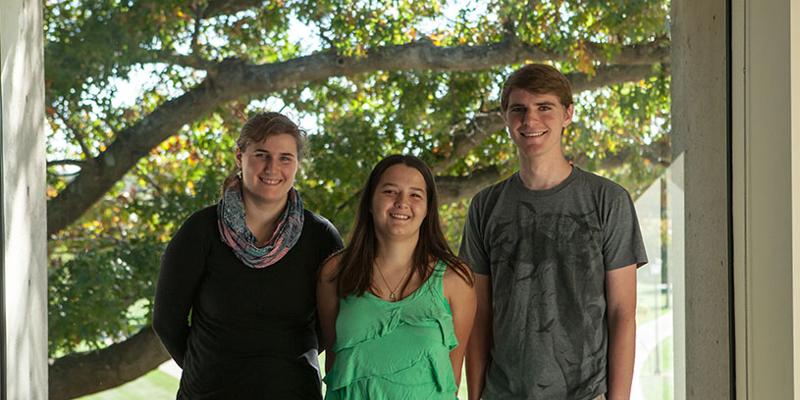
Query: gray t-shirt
column 547, row 252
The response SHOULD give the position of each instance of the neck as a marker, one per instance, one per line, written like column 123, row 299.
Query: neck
column 262, row 217
column 540, row 173
column 395, row 254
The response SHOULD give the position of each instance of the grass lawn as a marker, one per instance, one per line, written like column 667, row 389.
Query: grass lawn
column 657, row 374
column 154, row 385
column 646, row 302
column 159, row 385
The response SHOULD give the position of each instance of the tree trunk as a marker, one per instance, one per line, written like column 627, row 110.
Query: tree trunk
column 81, row 374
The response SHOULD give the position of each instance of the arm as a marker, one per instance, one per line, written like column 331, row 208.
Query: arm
column 480, row 341
column 328, row 308
column 621, row 303
column 330, row 247
column 181, row 270
column 461, row 296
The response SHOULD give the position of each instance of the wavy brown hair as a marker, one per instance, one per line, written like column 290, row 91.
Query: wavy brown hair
column 354, row 275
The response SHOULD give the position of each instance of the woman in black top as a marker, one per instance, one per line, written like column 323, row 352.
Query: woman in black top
column 235, row 301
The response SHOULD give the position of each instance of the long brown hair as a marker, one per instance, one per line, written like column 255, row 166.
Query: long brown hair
column 260, row 127
column 355, row 267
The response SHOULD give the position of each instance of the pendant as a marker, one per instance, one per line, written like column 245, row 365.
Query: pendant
column 392, row 297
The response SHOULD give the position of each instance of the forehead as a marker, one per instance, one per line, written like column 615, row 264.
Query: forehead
column 402, row 175
column 280, row 143
column 522, row 96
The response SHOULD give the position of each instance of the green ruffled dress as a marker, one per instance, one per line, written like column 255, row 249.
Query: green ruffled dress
column 394, row 351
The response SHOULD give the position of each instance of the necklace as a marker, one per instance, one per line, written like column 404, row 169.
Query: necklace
column 392, row 296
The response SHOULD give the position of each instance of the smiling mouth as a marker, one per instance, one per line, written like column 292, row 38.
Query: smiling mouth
column 400, row 216
column 270, row 181
column 533, row 133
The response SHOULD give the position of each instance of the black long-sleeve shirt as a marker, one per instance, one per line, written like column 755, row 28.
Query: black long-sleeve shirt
column 249, row 328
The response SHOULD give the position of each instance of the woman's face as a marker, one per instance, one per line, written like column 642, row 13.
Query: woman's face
column 268, row 168
column 400, row 202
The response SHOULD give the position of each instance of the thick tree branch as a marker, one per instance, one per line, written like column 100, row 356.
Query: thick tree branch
column 85, row 373
column 658, row 152
column 468, row 136
column 455, row 188
column 630, row 55
column 76, row 134
column 64, row 54
column 81, row 374
column 225, row 7
column 471, row 134
column 234, row 79
column 54, row 163
column 191, row 61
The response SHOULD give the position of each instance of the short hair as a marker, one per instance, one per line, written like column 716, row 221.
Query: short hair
column 537, row 79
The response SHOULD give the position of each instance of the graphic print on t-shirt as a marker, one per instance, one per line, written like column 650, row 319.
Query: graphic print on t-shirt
column 548, row 285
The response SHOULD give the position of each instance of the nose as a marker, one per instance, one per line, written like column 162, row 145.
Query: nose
column 531, row 117
column 270, row 165
column 401, row 201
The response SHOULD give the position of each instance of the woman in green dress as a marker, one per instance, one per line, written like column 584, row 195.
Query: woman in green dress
column 396, row 306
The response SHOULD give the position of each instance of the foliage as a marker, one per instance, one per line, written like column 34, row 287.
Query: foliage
column 103, row 266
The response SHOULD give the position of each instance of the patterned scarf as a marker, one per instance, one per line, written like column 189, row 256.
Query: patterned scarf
column 234, row 232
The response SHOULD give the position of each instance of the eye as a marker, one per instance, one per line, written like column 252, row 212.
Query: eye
column 545, row 108
column 417, row 195
column 286, row 159
column 517, row 109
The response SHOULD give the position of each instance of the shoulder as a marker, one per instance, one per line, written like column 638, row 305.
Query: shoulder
column 201, row 221
column 456, row 285
column 196, row 233
column 320, row 225
column 458, row 277
column 602, row 186
column 316, row 221
column 204, row 215
column 330, row 267
column 489, row 195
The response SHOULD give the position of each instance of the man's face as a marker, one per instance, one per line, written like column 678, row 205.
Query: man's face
column 535, row 122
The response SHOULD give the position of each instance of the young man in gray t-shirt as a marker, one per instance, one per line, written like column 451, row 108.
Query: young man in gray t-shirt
column 555, row 251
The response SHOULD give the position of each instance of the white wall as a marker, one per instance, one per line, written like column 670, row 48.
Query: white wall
column 23, row 207
column 766, row 213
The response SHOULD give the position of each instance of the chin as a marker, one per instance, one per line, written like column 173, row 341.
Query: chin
column 269, row 196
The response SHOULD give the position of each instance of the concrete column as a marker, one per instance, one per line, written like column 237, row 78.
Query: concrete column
column 794, row 60
column 700, row 136
column 23, row 277
column 766, row 213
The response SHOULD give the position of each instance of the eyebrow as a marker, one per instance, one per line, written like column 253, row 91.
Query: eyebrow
column 541, row 103
column 396, row 185
column 267, row 151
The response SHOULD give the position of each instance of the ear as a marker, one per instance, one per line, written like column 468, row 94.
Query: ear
column 239, row 158
column 568, row 115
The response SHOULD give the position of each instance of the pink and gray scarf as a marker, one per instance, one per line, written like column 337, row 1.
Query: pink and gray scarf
column 234, row 232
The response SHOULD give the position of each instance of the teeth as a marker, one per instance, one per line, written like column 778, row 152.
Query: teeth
column 533, row 134
column 271, row 181
column 399, row 216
